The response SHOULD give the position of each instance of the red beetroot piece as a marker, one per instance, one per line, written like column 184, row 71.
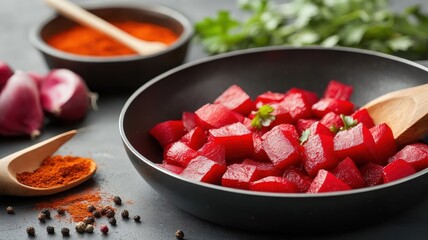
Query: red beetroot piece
column 303, row 124
column 363, row 116
column 311, row 97
column 319, row 128
column 326, row 105
column 5, row 73
column 349, row 173
column 65, row 95
column 282, row 148
column 332, row 119
column 214, row 116
column 372, row 174
column 385, row 145
column 236, row 100
column 21, row 112
column 259, row 153
column 356, row 143
column 338, row 90
column 204, row 170
column 298, row 105
column 195, row 139
column 273, row 184
column 168, row 132
column 239, row 176
column 172, row 168
column 327, row 182
column 416, row 154
column 298, row 177
column 396, row 170
column 236, row 138
column 179, row 154
column 189, row 121
column 264, row 169
column 213, row 151
column 319, row 154
column 282, row 116
column 268, row 98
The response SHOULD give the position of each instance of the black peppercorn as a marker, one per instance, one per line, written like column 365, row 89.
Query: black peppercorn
column 41, row 217
column 104, row 229
column 117, row 200
column 137, row 218
column 125, row 214
column 10, row 210
column 31, row 231
column 96, row 214
column 46, row 212
column 50, row 230
column 106, row 209
column 65, row 232
column 179, row 235
column 89, row 220
column 110, row 213
column 91, row 208
column 60, row 211
column 112, row 221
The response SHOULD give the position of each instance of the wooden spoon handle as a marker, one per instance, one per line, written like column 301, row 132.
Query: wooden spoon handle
column 80, row 15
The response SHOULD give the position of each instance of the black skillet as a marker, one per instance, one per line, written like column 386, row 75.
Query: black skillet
column 188, row 87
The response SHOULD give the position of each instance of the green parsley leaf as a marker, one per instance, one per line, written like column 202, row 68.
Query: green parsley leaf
column 348, row 122
column 263, row 117
column 305, row 136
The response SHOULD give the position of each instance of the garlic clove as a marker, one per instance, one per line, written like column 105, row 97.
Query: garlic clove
column 65, row 95
column 21, row 112
column 5, row 73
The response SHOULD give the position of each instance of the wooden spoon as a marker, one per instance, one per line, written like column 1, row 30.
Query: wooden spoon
column 80, row 15
column 30, row 159
column 405, row 111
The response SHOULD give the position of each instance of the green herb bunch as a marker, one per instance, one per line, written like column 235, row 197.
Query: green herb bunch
column 368, row 24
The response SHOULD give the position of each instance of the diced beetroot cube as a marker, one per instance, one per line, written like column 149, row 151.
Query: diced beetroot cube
column 236, row 99
column 172, row 168
column 298, row 105
column 168, row 132
column 363, row 116
column 332, row 119
column 179, row 154
column 303, row 124
column 348, row 172
column 268, row 98
column 213, row 151
column 416, row 154
column 385, row 145
column 239, row 116
column 281, row 147
column 204, row 170
column 259, row 153
column 281, row 115
column 319, row 154
column 327, row 182
column 236, row 138
column 298, row 177
column 189, row 120
column 326, row 105
column 195, row 139
column 372, row 174
column 396, row 170
column 273, row 184
column 311, row 97
column 319, row 128
column 338, row 90
column 291, row 129
column 214, row 116
column 239, row 176
column 356, row 143
column 264, row 169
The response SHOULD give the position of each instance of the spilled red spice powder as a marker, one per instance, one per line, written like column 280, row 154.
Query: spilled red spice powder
column 76, row 204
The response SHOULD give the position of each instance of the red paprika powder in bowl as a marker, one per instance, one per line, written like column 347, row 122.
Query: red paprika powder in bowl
column 106, row 65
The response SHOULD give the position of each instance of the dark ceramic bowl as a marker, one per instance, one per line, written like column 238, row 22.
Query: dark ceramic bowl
column 188, row 87
column 122, row 73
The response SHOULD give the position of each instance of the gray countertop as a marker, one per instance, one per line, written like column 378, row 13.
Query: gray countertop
column 116, row 175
